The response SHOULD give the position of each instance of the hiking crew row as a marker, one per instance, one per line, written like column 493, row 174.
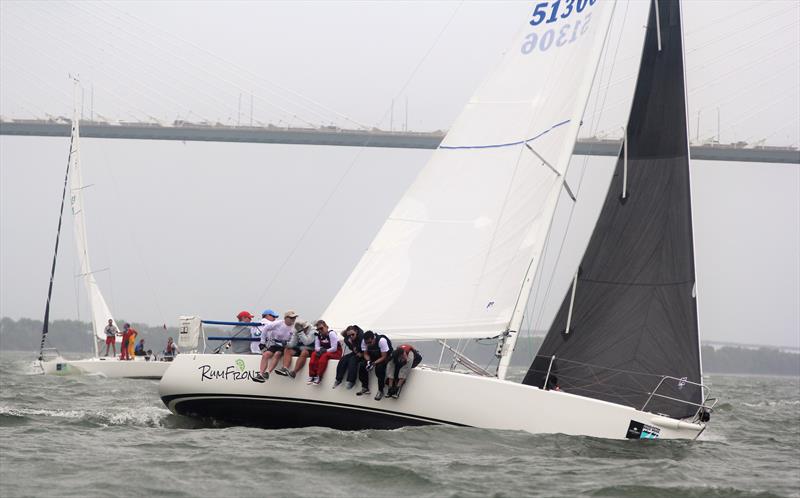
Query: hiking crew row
column 365, row 352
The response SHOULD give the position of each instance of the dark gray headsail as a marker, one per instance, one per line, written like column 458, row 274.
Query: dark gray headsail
column 634, row 315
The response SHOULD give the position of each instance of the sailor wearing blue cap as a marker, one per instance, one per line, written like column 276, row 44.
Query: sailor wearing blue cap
column 268, row 315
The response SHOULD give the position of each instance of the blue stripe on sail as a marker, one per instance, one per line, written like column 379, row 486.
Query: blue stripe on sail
column 492, row 146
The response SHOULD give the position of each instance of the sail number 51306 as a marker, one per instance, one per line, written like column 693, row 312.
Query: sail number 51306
column 541, row 13
column 557, row 37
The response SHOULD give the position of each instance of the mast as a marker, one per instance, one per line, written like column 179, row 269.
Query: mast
column 509, row 340
column 79, row 222
column 45, row 324
column 695, row 292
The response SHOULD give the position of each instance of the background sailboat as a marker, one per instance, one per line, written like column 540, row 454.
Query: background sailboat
column 458, row 255
column 99, row 310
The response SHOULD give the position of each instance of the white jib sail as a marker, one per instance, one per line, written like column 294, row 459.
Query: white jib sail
column 97, row 304
column 451, row 259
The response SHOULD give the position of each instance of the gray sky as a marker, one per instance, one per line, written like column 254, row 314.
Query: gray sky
column 205, row 228
column 193, row 60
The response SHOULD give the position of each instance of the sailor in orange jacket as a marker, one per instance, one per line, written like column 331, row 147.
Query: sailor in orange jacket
column 128, row 342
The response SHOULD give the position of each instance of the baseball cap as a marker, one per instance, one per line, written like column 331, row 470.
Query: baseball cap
column 290, row 314
column 270, row 312
column 244, row 314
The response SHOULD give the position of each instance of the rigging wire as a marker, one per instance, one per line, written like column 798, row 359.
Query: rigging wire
column 788, row 124
column 716, row 21
column 213, row 76
column 769, row 18
column 712, row 104
column 726, row 75
column 352, row 163
column 254, row 77
column 52, row 58
column 135, row 239
column 81, row 33
column 759, row 108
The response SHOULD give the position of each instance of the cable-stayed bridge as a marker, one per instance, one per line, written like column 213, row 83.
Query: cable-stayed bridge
column 334, row 136
column 151, row 80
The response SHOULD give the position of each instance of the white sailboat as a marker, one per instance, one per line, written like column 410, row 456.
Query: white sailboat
column 460, row 252
column 138, row 367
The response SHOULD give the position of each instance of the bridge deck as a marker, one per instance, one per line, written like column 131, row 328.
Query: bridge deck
column 349, row 138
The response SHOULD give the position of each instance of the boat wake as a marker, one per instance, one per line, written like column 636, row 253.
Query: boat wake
column 146, row 416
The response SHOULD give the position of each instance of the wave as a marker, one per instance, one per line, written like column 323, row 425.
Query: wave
column 773, row 403
column 147, row 416
column 678, row 491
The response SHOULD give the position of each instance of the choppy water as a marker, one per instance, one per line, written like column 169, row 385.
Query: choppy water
column 92, row 436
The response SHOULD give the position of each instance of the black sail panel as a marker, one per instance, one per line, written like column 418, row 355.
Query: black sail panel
column 634, row 317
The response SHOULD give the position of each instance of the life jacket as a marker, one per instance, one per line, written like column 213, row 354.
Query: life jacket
column 126, row 337
column 325, row 342
column 407, row 348
column 354, row 344
column 374, row 350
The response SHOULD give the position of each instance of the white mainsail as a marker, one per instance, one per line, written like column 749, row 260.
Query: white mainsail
column 97, row 304
column 451, row 259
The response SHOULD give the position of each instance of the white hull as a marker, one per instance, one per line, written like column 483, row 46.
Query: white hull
column 220, row 387
column 137, row 368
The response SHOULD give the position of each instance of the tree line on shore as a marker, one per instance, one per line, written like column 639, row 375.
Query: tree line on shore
column 76, row 336
column 71, row 335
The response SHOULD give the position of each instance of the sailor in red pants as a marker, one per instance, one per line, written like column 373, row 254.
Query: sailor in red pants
column 326, row 347
column 127, row 332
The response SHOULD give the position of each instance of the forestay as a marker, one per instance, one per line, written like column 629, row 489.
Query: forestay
column 97, row 304
column 452, row 257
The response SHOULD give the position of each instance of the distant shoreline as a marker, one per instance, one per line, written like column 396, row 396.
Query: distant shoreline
column 74, row 337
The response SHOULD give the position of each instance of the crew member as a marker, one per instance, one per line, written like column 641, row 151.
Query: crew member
column 347, row 369
column 267, row 316
column 171, row 351
column 274, row 337
column 127, row 337
column 132, row 342
column 140, row 351
column 111, row 332
column 376, row 350
column 326, row 347
column 300, row 345
column 241, row 332
column 403, row 359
